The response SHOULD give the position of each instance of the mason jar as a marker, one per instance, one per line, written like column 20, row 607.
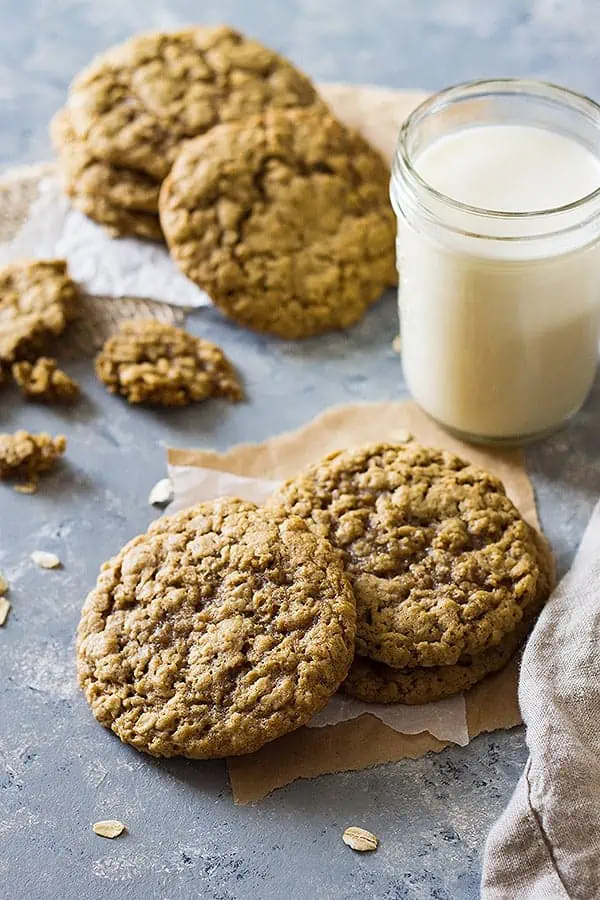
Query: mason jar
column 496, row 186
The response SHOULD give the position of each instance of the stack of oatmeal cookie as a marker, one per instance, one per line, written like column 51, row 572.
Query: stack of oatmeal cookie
column 448, row 578
column 216, row 144
column 396, row 572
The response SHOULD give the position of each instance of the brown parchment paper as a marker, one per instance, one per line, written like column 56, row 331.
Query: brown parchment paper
column 366, row 741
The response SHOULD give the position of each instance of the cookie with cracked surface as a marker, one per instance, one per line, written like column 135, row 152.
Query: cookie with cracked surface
column 44, row 381
column 374, row 682
column 136, row 103
column 284, row 220
column 37, row 300
column 220, row 629
column 441, row 562
column 148, row 361
column 124, row 201
column 24, row 456
column 86, row 173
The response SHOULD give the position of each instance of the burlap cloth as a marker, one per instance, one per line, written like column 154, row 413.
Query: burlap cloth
column 98, row 316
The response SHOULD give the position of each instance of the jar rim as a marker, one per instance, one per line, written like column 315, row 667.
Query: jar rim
column 444, row 98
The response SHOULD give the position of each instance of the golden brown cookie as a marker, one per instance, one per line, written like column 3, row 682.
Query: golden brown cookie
column 284, row 220
column 37, row 300
column 136, row 103
column 148, row 361
column 24, row 456
column 85, row 173
column 221, row 628
column 374, row 682
column 44, row 381
column 124, row 201
column 441, row 563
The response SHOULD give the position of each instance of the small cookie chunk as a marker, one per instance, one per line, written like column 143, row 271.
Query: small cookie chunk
column 44, row 381
column 26, row 456
column 37, row 300
column 150, row 362
column 136, row 103
column 223, row 627
column 441, row 562
column 284, row 220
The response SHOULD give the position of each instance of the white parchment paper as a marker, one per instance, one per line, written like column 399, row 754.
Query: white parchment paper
column 445, row 720
column 108, row 267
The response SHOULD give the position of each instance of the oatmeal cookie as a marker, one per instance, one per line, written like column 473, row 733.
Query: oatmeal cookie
column 148, row 361
column 441, row 562
column 124, row 201
column 44, row 381
column 24, row 456
column 221, row 628
column 374, row 682
column 284, row 220
column 37, row 300
column 85, row 173
column 136, row 103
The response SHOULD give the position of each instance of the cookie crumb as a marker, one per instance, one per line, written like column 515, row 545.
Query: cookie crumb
column 45, row 560
column 44, row 381
column 25, row 456
column 3, row 584
column 108, row 828
column 161, row 493
column 360, row 839
column 4, row 610
column 397, row 344
column 28, row 487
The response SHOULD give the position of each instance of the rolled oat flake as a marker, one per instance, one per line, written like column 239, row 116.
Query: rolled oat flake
column 45, row 560
column 360, row 839
column 108, row 828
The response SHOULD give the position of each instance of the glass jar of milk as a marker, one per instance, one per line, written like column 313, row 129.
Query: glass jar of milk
column 496, row 185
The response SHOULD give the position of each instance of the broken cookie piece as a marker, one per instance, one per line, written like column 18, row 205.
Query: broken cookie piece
column 44, row 381
column 24, row 456
column 150, row 362
column 37, row 300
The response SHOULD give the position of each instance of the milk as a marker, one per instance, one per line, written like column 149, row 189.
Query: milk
column 499, row 337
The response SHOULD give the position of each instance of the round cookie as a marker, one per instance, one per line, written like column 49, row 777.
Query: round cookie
column 85, row 173
column 148, row 361
column 220, row 629
column 441, row 562
column 124, row 201
column 374, row 682
column 136, row 103
column 37, row 300
column 284, row 220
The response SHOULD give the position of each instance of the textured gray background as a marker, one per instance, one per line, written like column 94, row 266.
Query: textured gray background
column 58, row 770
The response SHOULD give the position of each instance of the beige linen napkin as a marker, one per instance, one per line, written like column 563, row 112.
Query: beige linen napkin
column 546, row 845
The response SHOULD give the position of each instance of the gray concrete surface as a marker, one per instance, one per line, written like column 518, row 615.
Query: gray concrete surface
column 59, row 771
